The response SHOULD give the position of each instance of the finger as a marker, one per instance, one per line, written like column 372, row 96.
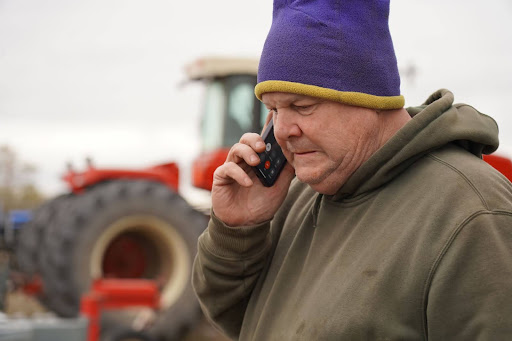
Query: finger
column 231, row 172
column 254, row 141
column 242, row 152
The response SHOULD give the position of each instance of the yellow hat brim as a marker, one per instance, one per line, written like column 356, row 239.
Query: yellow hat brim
column 351, row 98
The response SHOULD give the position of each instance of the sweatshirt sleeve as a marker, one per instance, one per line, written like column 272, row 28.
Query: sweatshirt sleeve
column 226, row 269
column 470, row 297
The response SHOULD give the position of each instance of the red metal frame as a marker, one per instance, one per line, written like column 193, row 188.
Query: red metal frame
column 501, row 163
column 34, row 286
column 167, row 174
column 108, row 294
column 203, row 168
column 205, row 165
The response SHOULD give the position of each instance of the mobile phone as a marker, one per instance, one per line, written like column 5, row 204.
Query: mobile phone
column 272, row 160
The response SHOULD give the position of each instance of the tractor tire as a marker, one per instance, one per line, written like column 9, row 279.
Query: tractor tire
column 31, row 235
column 30, row 253
column 48, row 272
column 126, row 229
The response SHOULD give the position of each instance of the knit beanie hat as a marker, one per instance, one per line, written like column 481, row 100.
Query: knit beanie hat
column 337, row 50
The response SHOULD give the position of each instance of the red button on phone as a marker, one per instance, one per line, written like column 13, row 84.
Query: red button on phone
column 267, row 164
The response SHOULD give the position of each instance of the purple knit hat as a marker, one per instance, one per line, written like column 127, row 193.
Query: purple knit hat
column 337, row 50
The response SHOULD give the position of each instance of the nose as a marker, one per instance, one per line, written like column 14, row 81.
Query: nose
column 286, row 125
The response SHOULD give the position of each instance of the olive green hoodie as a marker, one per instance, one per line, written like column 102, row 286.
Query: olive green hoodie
column 416, row 245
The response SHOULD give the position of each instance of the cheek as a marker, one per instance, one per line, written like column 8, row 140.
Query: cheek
column 288, row 155
column 333, row 142
column 282, row 144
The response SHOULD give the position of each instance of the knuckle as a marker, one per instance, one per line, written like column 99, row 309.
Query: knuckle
column 235, row 149
column 247, row 138
column 220, row 170
column 235, row 146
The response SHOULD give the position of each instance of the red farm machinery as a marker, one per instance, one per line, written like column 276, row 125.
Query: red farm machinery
column 134, row 224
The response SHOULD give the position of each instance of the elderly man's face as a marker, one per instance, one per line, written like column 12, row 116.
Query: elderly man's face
column 324, row 141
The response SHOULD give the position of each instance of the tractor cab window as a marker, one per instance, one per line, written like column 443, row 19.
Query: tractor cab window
column 211, row 125
column 240, row 111
column 231, row 109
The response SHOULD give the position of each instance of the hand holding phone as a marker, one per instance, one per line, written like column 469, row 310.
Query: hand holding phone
column 237, row 199
column 272, row 160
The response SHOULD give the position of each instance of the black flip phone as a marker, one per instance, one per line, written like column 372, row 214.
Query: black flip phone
column 272, row 160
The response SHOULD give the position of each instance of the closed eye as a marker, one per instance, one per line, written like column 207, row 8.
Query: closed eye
column 304, row 110
column 301, row 107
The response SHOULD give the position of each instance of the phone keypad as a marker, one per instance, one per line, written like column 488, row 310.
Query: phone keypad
column 271, row 162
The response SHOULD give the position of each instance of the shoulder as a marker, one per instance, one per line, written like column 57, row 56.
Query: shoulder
column 466, row 174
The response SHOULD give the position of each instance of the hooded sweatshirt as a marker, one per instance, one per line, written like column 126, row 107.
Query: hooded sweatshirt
column 416, row 245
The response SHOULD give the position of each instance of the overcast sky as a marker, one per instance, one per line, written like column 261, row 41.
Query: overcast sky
column 101, row 78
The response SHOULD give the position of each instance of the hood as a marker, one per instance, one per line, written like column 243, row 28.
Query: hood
column 434, row 124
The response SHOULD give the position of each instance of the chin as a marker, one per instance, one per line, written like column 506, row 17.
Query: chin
column 324, row 189
column 319, row 182
column 316, row 183
column 308, row 178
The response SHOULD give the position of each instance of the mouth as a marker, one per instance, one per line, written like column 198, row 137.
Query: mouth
column 304, row 150
column 304, row 153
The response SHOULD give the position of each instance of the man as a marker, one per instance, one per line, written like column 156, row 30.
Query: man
column 384, row 225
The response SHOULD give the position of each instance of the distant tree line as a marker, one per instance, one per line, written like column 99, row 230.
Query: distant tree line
column 17, row 186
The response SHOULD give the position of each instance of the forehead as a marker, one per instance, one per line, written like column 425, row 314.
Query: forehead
column 284, row 98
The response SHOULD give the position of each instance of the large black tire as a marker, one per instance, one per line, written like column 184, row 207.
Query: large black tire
column 30, row 256
column 50, row 262
column 31, row 235
column 89, row 241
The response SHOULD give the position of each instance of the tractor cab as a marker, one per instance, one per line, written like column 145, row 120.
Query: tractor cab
column 230, row 109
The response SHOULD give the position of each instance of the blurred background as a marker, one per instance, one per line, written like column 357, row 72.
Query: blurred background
column 105, row 79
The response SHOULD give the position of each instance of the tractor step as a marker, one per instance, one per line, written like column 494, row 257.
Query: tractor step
column 107, row 294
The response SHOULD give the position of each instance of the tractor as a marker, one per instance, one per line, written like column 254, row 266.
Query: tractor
column 134, row 224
